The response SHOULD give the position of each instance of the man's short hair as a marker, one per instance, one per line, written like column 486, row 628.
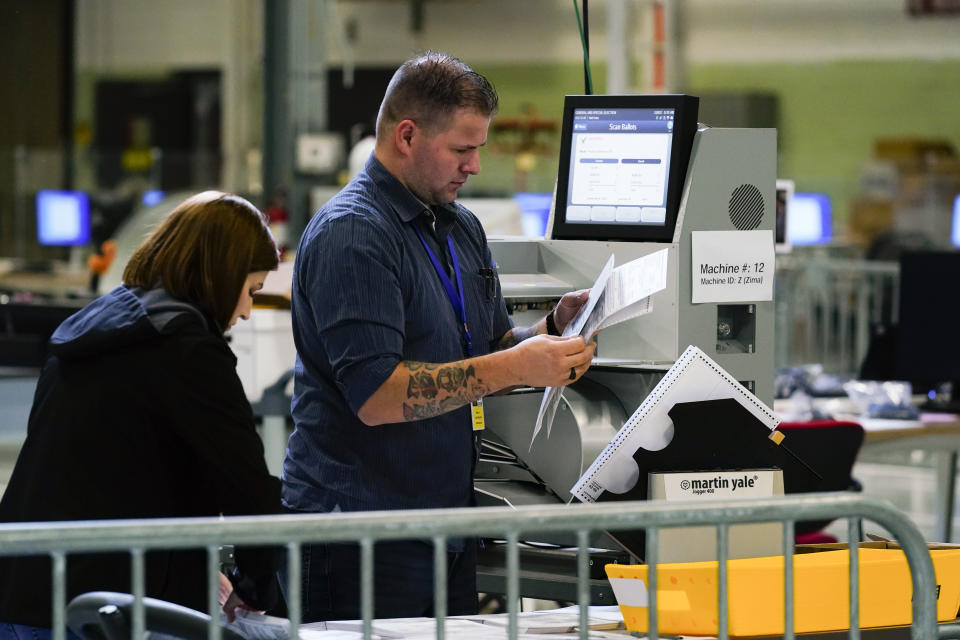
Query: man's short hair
column 428, row 88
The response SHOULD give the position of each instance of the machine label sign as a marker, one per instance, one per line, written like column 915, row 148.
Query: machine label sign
column 732, row 266
column 718, row 484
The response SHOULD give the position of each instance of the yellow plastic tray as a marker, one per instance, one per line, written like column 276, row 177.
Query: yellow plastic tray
column 687, row 592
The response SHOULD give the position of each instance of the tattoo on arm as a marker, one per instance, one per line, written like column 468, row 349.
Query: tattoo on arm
column 515, row 336
column 451, row 378
column 421, row 385
column 431, row 394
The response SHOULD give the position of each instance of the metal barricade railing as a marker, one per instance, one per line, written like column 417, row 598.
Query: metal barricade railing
column 825, row 308
column 291, row 531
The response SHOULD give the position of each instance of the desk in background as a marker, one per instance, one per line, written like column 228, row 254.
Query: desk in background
column 937, row 433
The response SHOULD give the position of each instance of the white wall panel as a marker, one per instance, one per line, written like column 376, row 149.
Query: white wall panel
column 134, row 35
column 814, row 30
column 119, row 35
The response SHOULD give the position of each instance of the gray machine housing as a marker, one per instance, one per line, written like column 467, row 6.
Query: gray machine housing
column 631, row 356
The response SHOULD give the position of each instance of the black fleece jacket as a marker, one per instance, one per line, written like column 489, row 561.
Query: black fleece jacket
column 138, row 413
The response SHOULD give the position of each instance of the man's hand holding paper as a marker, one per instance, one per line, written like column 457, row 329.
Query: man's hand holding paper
column 570, row 305
column 617, row 295
column 547, row 361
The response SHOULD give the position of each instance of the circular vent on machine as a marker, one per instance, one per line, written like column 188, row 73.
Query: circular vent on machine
column 746, row 207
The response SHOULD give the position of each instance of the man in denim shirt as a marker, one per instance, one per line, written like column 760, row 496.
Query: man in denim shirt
column 401, row 329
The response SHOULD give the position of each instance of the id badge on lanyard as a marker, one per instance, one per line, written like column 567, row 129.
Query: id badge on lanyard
column 459, row 306
column 477, row 409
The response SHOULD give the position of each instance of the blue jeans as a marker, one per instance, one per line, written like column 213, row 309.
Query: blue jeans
column 402, row 577
column 10, row 631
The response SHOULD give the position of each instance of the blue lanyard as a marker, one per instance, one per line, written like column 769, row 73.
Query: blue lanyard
column 455, row 296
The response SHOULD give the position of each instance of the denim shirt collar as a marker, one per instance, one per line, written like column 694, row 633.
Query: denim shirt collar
column 404, row 203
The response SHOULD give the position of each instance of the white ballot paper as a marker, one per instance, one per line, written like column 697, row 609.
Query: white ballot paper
column 419, row 628
column 256, row 626
column 617, row 295
column 565, row 620
column 694, row 376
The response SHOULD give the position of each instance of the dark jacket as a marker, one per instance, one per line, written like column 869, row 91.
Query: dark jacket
column 138, row 413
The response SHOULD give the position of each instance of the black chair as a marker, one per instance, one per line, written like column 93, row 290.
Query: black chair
column 830, row 447
column 105, row 615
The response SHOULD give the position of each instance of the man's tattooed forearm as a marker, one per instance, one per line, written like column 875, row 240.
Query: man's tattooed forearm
column 433, row 409
column 413, row 365
column 508, row 340
column 515, row 336
column 421, row 385
column 453, row 386
column 420, row 411
column 451, row 378
column 453, row 402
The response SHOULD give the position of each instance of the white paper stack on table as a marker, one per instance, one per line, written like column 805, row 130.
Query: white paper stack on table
column 256, row 626
column 415, row 628
column 531, row 625
column 557, row 621
column 618, row 294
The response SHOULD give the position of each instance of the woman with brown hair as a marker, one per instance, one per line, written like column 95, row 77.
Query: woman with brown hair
column 139, row 413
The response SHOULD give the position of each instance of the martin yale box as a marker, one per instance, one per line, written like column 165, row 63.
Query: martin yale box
column 693, row 544
column 687, row 591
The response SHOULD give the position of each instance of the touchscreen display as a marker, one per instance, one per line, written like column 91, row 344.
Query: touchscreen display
column 619, row 166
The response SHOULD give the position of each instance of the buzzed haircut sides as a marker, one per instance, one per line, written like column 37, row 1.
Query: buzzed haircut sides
column 429, row 88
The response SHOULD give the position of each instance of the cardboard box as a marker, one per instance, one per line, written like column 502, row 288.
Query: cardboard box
column 696, row 544
column 687, row 592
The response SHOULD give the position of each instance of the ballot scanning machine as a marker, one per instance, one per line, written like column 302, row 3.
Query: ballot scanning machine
column 637, row 174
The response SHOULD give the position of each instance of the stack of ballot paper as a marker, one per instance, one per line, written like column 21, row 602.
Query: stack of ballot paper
column 412, row 627
column 531, row 625
column 617, row 295
column 538, row 625
column 557, row 621
column 256, row 626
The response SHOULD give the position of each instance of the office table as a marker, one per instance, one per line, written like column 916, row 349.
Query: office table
column 605, row 622
column 937, row 433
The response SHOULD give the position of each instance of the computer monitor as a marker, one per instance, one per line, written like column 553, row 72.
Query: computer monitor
column 535, row 210
column 785, row 189
column 928, row 343
column 955, row 228
column 810, row 221
column 623, row 160
column 63, row 218
column 152, row 197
